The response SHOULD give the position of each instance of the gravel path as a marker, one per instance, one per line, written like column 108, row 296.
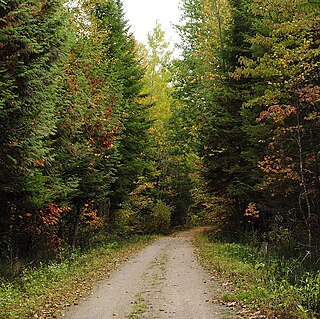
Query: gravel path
column 163, row 281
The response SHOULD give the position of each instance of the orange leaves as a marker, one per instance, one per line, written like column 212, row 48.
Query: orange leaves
column 39, row 9
column 51, row 214
column 283, row 166
column 279, row 168
column 252, row 214
column 42, row 224
column 89, row 216
column 39, row 162
column 92, row 219
column 278, row 113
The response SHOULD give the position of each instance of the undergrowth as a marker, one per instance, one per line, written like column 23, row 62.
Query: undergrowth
column 274, row 285
column 44, row 291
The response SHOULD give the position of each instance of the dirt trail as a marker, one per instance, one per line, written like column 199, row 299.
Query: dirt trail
column 163, row 281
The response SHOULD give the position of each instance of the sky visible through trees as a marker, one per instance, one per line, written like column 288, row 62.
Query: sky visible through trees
column 101, row 134
column 142, row 16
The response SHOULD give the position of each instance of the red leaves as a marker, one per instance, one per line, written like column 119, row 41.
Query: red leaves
column 289, row 151
column 42, row 224
column 278, row 113
column 309, row 95
column 91, row 104
column 101, row 127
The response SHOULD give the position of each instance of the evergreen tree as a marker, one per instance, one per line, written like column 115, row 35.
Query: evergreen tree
column 126, row 73
column 218, row 33
column 86, row 141
column 102, row 131
column 32, row 41
column 284, row 64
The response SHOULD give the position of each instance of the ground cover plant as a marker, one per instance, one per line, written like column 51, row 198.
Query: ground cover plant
column 42, row 292
column 265, row 284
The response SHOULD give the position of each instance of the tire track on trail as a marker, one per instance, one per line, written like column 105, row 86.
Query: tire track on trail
column 163, row 281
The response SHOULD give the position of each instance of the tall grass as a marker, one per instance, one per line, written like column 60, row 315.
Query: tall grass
column 279, row 284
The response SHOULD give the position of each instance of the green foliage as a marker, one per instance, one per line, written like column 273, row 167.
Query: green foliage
column 172, row 153
column 262, row 280
column 218, row 36
column 127, row 74
column 249, row 83
column 44, row 291
column 98, row 135
column 33, row 36
column 125, row 221
column 284, row 62
column 159, row 219
column 34, row 40
column 90, row 122
column 73, row 131
column 143, row 213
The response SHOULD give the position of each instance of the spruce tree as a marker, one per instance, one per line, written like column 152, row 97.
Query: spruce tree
column 216, row 34
column 126, row 73
column 284, row 64
column 32, row 38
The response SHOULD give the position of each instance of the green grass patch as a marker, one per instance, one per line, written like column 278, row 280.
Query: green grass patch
column 139, row 308
column 44, row 291
column 276, row 286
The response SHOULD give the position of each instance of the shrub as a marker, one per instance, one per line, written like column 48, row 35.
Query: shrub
column 159, row 218
column 124, row 221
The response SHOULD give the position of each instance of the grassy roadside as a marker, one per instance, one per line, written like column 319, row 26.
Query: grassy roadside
column 262, row 286
column 43, row 292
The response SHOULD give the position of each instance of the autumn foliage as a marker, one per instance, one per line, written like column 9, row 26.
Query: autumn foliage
column 250, row 72
column 69, row 95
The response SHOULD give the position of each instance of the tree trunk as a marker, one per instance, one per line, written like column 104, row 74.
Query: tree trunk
column 75, row 230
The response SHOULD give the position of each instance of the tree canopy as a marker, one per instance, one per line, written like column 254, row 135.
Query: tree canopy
column 101, row 134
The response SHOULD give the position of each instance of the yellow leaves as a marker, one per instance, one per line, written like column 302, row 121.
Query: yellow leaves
column 142, row 187
column 217, row 11
column 283, row 63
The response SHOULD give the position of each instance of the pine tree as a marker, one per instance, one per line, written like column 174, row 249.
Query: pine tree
column 86, row 140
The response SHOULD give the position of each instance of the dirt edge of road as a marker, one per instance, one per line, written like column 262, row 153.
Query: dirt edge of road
column 164, row 280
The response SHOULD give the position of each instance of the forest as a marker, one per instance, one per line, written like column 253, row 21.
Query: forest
column 103, row 137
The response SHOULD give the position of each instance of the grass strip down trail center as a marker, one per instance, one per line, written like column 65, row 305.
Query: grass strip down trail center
column 163, row 281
